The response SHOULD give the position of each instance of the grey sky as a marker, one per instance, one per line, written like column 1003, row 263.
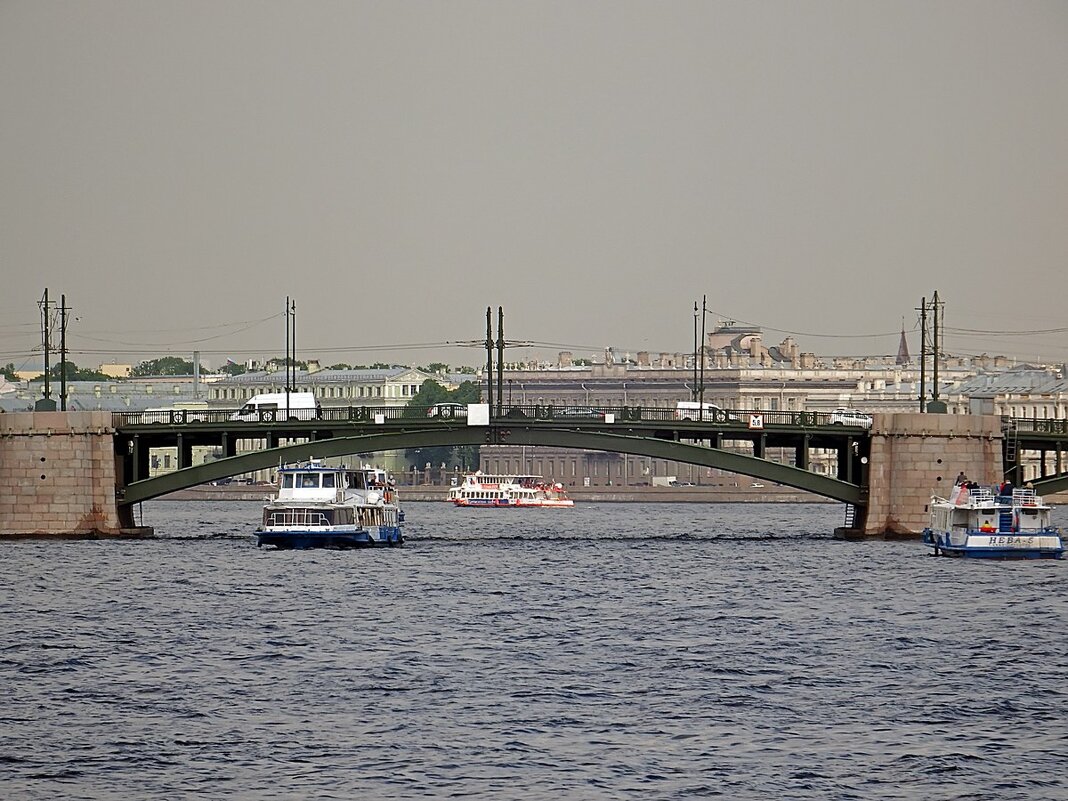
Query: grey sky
column 177, row 169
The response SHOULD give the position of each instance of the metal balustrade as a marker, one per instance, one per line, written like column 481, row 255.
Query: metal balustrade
column 735, row 418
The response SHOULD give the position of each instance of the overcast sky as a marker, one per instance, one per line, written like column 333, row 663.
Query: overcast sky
column 176, row 169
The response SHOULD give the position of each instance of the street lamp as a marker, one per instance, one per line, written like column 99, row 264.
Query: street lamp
column 694, row 350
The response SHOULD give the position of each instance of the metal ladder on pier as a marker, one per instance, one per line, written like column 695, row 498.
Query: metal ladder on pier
column 850, row 516
column 1012, row 444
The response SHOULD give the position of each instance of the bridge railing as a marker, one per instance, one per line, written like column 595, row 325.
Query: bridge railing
column 1033, row 426
column 331, row 413
column 734, row 418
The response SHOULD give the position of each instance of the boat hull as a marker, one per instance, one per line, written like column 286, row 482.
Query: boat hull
column 988, row 546
column 506, row 503
column 305, row 539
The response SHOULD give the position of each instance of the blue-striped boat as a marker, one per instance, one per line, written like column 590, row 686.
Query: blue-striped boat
column 331, row 507
column 981, row 522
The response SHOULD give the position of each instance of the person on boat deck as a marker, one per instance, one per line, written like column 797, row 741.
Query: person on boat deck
column 961, row 479
column 1005, row 488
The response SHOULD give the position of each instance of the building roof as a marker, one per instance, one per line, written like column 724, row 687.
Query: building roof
column 1020, row 380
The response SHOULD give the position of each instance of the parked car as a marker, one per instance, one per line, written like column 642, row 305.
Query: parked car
column 851, row 417
column 446, row 410
column 579, row 411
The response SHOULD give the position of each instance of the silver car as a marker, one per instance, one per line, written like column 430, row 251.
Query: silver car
column 851, row 417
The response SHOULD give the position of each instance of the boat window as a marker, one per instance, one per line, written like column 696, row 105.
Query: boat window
column 287, row 480
column 328, row 480
column 309, row 480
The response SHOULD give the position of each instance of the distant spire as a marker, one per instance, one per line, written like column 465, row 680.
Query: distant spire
column 903, row 349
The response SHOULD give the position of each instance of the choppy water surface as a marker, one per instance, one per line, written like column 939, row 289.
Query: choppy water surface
column 611, row 651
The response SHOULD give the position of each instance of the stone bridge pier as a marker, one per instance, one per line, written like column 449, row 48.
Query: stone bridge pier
column 915, row 455
column 58, row 475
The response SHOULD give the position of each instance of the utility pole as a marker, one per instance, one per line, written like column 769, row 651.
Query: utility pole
column 934, row 381
column 293, row 314
column 704, row 313
column 46, row 326
column 63, row 353
column 500, row 358
column 45, row 403
column 923, row 354
column 287, row 355
column 489, row 356
column 694, row 393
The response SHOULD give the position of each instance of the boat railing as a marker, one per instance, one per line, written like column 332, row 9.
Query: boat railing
column 981, row 496
column 297, row 517
column 1025, row 497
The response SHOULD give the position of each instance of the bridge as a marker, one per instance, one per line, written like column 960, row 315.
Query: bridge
column 638, row 431
column 885, row 476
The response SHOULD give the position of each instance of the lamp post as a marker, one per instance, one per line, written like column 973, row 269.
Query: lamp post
column 694, row 350
column 701, row 384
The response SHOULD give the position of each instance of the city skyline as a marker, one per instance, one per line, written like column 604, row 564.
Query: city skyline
column 177, row 170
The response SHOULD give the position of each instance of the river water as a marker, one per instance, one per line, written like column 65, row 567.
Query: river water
column 611, row 651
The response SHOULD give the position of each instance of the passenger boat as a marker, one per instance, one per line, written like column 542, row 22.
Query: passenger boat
column 481, row 489
column 331, row 507
column 980, row 522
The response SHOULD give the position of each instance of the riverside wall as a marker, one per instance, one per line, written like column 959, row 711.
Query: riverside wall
column 58, row 476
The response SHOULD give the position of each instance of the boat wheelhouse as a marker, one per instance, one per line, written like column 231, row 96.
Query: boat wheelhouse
column 982, row 522
column 331, row 507
column 485, row 490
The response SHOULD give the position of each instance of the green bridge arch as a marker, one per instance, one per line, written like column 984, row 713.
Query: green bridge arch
column 671, row 450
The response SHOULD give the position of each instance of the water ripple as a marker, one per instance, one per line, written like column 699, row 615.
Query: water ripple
column 615, row 651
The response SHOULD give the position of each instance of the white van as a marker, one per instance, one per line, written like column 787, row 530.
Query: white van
column 273, row 406
column 694, row 410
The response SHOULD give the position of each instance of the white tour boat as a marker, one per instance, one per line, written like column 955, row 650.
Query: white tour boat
column 331, row 507
column 481, row 489
column 979, row 521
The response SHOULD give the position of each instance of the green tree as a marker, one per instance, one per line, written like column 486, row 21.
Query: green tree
column 8, row 372
column 280, row 363
column 435, row 367
column 74, row 373
column 340, row 366
column 168, row 365
column 431, row 392
column 233, row 368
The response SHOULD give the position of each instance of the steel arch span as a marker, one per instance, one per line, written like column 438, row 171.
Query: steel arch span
column 496, row 435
